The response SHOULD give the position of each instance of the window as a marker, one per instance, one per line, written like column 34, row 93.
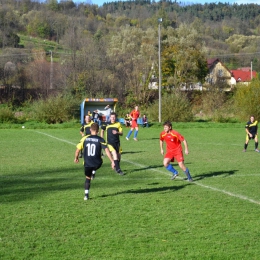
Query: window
column 220, row 73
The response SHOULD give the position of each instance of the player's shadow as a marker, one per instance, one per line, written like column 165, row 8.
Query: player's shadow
column 132, row 152
column 152, row 138
column 214, row 174
column 146, row 190
column 147, row 168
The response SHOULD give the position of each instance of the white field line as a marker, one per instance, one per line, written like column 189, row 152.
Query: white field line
column 63, row 140
column 219, row 144
column 155, row 170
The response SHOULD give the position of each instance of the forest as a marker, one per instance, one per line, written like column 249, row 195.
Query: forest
column 83, row 50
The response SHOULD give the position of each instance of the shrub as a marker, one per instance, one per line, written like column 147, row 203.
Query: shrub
column 175, row 107
column 247, row 100
column 6, row 115
column 56, row 109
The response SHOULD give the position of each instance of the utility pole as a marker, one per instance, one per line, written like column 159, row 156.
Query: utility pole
column 251, row 70
column 51, row 71
column 160, row 77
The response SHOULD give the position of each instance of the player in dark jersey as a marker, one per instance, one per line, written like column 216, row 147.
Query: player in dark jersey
column 113, row 132
column 251, row 133
column 85, row 128
column 92, row 146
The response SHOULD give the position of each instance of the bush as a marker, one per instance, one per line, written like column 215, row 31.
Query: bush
column 247, row 100
column 6, row 115
column 175, row 107
column 56, row 109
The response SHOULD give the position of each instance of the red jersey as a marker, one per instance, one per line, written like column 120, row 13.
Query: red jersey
column 173, row 140
column 135, row 114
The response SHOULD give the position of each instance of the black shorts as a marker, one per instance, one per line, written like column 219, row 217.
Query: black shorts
column 88, row 170
column 253, row 137
column 116, row 147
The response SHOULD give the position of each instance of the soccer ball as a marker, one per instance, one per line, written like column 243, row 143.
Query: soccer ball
column 23, row 126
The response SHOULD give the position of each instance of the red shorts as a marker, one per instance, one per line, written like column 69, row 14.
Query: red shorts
column 134, row 123
column 175, row 155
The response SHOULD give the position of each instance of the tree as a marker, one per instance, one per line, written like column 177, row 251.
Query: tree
column 183, row 60
column 247, row 100
column 132, row 53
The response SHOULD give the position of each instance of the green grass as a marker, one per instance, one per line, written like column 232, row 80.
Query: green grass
column 141, row 215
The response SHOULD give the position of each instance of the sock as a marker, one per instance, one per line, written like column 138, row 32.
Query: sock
column 256, row 145
column 135, row 134
column 245, row 146
column 117, row 165
column 171, row 169
column 187, row 172
column 87, row 187
column 129, row 133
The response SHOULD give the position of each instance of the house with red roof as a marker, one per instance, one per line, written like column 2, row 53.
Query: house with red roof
column 243, row 75
column 218, row 73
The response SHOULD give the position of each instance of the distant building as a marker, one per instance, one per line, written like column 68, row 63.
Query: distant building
column 243, row 75
column 218, row 73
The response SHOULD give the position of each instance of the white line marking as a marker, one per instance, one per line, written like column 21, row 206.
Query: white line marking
column 145, row 166
column 63, row 140
column 217, row 144
column 229, row 193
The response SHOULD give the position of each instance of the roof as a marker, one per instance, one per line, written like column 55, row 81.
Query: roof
column 210, row 62
column 242, row 75
column 214, row 61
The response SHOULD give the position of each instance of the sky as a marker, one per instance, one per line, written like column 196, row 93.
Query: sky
column 100, row 2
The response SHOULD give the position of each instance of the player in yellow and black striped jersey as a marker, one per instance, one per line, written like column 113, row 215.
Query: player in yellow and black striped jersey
column 113, row 132
column 251, row 132
column 85, row 128
column 92, row 146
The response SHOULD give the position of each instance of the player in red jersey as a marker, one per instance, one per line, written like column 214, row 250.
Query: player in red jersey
column 135, row 114
column 173, row 141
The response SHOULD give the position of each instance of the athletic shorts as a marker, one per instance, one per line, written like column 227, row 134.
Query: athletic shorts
column 249, row 138
column 114, row 147
column 88, row 170
column 175, row 155
column 134, row 123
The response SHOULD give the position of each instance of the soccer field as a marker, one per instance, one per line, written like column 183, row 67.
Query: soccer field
column 141, row 215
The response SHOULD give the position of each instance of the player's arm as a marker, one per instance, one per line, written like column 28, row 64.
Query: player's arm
column 76, row 159
column 247, row 131
column 120, row 131
column 82, row 131
column 103, row 128
column 110, row 157
column 79, row 147
column 161, row 147
column 102, row 133
column 185, row 146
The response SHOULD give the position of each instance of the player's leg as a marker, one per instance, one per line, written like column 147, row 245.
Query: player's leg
column 136, row 133
column 246, row 143
column 94, row 172
column 119, row 159
column 114, row 153
column 256, row 144
column 88, row 173
column 167, row 164
column 129, row 133
column 185, row 170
